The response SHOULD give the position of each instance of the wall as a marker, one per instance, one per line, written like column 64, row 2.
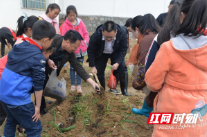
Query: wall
column 92, row 22
column 11, row 10
column 116, row 8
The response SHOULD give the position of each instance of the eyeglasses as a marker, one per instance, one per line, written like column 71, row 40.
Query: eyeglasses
column 109, row 38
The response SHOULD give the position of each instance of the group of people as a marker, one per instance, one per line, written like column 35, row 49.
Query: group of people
column 170, row 58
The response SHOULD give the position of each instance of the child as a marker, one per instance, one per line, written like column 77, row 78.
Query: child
column 9, row 35
column 24, row 27
column 171, row 25
column 74, row 23
column 179, row 74
column 26, row 69
column 52, row 12
column 127, row 25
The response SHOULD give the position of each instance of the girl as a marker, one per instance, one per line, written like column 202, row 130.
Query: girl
column 9, row 35
column 74, row 23
column 145, row 28
column 52, row 12
column 171, row 25
column 179, row 72
column 24, row 26
column 127, row 25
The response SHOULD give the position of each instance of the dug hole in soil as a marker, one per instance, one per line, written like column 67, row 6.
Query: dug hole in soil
column 93, row 115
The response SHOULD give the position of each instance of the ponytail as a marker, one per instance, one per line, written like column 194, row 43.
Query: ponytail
column 20, row 26
column 24, row 24
column 52, row 7
column 195, row 21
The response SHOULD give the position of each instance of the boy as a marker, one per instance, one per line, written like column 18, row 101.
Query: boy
column 25, row 69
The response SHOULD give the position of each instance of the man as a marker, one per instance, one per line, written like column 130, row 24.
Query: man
column 65, row 47
column 109, row 41
column 161, row 18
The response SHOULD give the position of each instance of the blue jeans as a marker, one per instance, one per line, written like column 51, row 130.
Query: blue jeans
column 72, row 72
column 21, row 115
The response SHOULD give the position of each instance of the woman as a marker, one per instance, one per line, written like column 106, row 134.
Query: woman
column 179, row 72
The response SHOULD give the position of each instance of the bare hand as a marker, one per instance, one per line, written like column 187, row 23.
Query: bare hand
column 115, row 66
column 94, row 70
column 51, row 64
column 36, row 116
column 96, row 87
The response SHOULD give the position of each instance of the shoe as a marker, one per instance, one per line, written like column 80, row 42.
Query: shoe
column 146, row 110
column 114, row 91
column 43, row 111
column 48, row 101
column 73, row 88
column 22, row 131
column 124, row 83
column 79, row 89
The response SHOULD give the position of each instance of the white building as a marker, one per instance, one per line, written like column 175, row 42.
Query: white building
column 11, row 10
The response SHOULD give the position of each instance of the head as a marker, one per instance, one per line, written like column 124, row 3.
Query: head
column 193, row 18
column 71, row 13
column 171, row 5
column 109, row 30
column 49, row 51
column 25, row 25
column 128, row 23
column 43, row 33
column 53, row 10
column 71, row 41
column 142, row 25
column 171, row 25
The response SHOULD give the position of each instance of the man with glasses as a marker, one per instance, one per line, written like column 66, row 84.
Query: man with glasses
column 109, row 42
column 65, row 47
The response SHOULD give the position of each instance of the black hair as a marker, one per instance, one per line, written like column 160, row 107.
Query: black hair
column 109, row 26
column 43, row 29
column 128, row 22
column 195, row 21
column 171, row 25
column 52, row 6
column 172, row 2
column 71, row 8
column 72, row 36
column 24, row 25
column 145, row 24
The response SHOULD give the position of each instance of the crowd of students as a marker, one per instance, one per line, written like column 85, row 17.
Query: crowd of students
column 170, row 56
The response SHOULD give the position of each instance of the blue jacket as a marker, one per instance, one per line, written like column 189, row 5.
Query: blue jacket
column 24, row 70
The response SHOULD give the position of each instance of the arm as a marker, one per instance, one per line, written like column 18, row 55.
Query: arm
column 64, row 30
column 155, row 75
column 151, row 55
column 91, row 50
column 85, row 34
column 139, row 82
column 123, row 49
column 38, row 75
column 77, row 67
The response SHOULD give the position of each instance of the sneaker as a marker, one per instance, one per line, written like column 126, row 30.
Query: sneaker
column 79, row 89
column 48, row 101
column 22, row 131
column 73, row 88
column 43, row 111
column 114, row 91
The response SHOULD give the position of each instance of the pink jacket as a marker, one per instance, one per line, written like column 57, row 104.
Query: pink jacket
column 81, row 28
column 54, row 22
column 179, row 75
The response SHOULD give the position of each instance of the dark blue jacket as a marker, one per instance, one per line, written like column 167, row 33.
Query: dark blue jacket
column 96, row 45
column 25, row 69
column 151, row 54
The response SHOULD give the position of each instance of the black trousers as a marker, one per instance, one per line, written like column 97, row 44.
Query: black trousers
column 3, row 42
column 100, row 64
column 2, row 114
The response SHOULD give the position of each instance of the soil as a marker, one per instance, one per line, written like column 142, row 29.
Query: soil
column 94, row 115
